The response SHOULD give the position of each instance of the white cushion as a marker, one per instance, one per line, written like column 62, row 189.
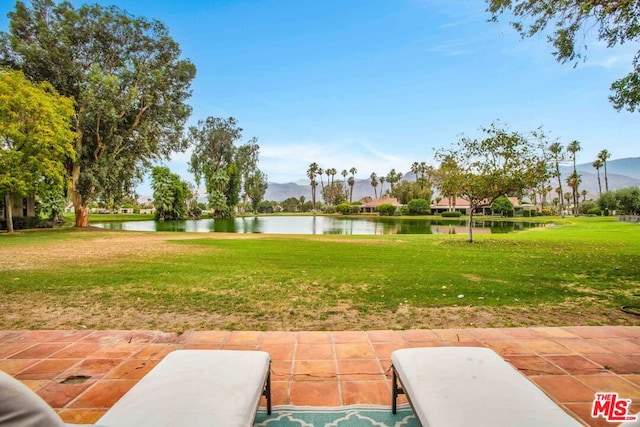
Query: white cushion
column 472, row 386
column 195, row 388
column 21, row 407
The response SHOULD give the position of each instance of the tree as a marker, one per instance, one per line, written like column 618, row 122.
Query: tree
column 418, row 207
column 127, row 79
column 616, row 22
column 502, row 163
column 170, row 194
column 629, row 200
column 503, row 206
column 448, row 179
column 255, row 187
column 35, row 138
column 574, row 179
column 557, row 155
column 311, row 174
column 603, row 156
column 352, row 182
column 597, row 163
column 224, row 167
column 374, row 184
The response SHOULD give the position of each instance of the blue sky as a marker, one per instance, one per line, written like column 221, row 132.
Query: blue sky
column 379, row 84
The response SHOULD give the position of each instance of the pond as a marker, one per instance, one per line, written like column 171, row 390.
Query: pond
column 321, row 225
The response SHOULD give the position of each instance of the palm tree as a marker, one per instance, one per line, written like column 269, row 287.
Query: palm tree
column 311, row 174
column 574, row 181
column 583, row 193
column 573, row 148
column 352, row 182
column 344, row 174
column 604, row 155
column 382, row 181
column 598, row 164
column 374, row 184
column 320, row 172
column 557, row 154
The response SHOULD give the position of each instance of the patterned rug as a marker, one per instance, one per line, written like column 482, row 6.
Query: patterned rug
column 351, row 416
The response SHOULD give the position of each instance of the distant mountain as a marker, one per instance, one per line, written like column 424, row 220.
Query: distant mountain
column 621, row 173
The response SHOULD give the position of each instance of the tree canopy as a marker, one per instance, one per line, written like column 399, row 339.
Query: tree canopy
column 128, row 81
column 502, row 163
column 616, row 21
column 225, row 168
column 170, row 194
column 35, row 137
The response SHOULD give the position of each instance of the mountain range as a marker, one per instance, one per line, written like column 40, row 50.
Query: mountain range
column 620, row 173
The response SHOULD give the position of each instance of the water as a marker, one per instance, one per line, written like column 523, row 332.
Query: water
column 320, row 225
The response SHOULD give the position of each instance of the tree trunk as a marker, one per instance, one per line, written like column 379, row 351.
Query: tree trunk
column 9, row 209
column 470, row 224
column 606, row 181
column 81, row 209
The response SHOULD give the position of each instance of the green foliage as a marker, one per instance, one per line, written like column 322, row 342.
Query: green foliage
column 418, row 207
column 503, row 162
column 35, row 137
column 405, row 191
column 225, row 168
column 629, row 200
column 386, row 209
column 546, row 212
column 502, row 205
column 343, row 208
column 616, row 22
column 255, row 187
column 128, row 81
column 169, row 194
column 454, row 214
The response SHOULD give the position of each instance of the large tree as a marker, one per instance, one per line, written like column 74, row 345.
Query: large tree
column 223, row 166
column 170, row 194
column 557, row 153
column 569, row 22
column 128, row 81
column 503, row 163
column 35, row 138
column 603, row 156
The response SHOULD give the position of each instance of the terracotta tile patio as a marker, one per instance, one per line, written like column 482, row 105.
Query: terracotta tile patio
column 82, row 373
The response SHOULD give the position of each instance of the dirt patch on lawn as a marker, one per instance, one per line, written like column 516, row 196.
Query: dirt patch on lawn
column 39, row 310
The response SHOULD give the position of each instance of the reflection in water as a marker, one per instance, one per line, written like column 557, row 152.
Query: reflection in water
column 321, row 225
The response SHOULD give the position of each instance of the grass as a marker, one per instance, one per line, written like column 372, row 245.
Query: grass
column 577, row 272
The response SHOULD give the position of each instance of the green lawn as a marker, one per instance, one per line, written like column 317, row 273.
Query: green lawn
column 579, row 271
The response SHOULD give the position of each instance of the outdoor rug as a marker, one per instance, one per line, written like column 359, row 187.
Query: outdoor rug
column 345, row 416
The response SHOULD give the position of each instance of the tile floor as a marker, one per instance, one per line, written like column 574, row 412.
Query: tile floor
column 82, row 373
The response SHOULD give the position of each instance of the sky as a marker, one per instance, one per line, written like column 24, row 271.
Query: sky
column 380, row 84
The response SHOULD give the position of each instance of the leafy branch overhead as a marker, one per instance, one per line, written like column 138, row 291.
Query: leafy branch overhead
column 568, row 23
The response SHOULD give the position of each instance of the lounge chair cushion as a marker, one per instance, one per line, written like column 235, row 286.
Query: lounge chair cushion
column 21, row 407
column 195, row 388
column 472, row 386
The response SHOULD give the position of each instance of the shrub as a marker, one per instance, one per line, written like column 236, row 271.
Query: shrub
column 343, row 208
column 594, row 211
column 386, row 209
column 418, row 207
column 454, row 214
column 547, row 212
column 354, row 209
column 22, row 223
column 503, row 206
column 404, row 211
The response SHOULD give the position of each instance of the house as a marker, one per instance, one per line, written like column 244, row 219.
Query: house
column 21, row 207
column 456, row 204
column 463, row 206
column 370, row 205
